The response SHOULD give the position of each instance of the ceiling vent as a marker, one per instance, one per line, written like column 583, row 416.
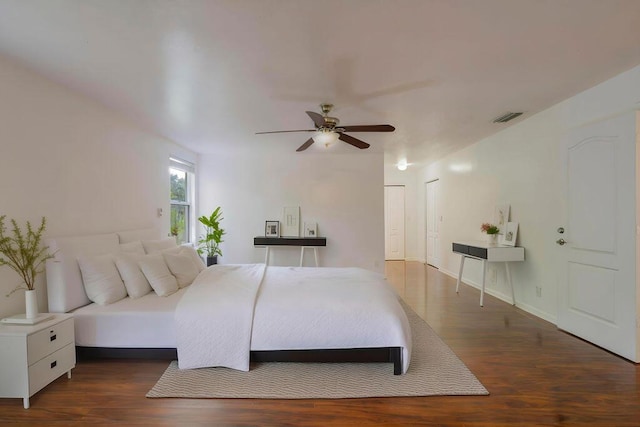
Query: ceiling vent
column 506, row 117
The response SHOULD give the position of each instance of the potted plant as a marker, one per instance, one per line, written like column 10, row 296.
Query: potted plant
column 23, row 253
column 209, row 243
column 492, row 232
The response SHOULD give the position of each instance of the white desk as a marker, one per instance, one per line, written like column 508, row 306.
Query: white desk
column 487, row 252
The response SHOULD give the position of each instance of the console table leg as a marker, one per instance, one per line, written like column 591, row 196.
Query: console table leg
column 462, row 258
column 301, row 255
column 513, row 294
column 315, row 255
column 266, row 255
column 484, row 275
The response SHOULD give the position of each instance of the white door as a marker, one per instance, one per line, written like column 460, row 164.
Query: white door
column 597, row 288
column 433, row 223
column 394, row 222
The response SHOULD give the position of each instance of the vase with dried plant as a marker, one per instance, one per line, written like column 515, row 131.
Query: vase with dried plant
column 23, row 253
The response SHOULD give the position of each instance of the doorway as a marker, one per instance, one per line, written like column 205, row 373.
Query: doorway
column 394, row 222
column 432, row 227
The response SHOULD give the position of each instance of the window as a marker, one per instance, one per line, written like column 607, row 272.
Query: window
column 181, row 175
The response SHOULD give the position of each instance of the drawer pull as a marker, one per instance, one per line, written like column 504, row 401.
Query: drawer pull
column 53, row 364
column 52, row 338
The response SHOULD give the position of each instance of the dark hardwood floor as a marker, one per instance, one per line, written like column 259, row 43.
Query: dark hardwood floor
column 536, row 375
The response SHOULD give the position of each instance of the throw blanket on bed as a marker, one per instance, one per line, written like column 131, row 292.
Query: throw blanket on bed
column 214, row 322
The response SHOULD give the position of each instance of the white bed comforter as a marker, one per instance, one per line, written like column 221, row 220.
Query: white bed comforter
column 230, row 310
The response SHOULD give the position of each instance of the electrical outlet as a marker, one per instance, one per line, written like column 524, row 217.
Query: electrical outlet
column 538, row 291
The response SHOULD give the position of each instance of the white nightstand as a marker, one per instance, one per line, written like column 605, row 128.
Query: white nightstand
column 32, row 356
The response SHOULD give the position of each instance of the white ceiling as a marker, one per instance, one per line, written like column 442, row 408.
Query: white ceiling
column 204, row 73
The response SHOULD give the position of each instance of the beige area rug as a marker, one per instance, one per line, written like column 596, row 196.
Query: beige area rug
column 434, row 370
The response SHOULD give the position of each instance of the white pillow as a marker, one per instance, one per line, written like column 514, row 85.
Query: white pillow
column 137, row 285
column 132, row 248
column 154, row 246
column 101, row 279
column 173, row 250
column 158, row 275
column 193, row 254
column 182, row 267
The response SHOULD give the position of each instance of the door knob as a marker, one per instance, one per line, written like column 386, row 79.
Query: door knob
column 561, row 242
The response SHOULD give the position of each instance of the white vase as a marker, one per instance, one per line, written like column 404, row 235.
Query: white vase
column 31, row 304
column 492, row 239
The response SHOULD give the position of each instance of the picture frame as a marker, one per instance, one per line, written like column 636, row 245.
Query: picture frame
column 272, row 229
column 501, row 216
column 310, row 229
column 510, row 234
column 290, row 221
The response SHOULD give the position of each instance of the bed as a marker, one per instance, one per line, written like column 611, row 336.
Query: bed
column 231, row 315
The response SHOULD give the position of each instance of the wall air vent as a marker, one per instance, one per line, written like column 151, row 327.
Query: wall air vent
column 506, row 117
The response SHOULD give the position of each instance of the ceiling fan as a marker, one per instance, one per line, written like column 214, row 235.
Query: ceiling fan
column 327, row 130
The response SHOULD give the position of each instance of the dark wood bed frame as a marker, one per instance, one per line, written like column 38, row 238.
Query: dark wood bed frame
column 341, row 355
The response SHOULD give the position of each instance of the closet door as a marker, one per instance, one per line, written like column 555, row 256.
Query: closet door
column 433, row 223
column 394, row 222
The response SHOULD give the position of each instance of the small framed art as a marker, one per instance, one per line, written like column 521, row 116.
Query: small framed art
column 272, row 229
column 310, row 229
column 291, row 221
column 501, row 216
column 510, row 234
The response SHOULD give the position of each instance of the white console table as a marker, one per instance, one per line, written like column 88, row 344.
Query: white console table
column 302, row 242
column 487, row 252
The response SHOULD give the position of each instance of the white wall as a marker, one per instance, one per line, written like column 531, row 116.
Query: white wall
column 520, row 166
column 342, row 190
column 83, row 167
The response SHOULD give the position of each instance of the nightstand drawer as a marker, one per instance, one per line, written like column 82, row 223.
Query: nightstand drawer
column 51, row 367
column 48, row 340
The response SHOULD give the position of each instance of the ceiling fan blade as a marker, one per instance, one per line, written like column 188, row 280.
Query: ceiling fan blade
column 318, row 120
column 286, row 131
column 369, row 128
column 353, row 141
column 305, row 145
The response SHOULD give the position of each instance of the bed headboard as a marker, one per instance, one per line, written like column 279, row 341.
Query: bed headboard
column 133, row 235
column 65, row 289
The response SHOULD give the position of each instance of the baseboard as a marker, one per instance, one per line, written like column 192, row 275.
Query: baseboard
column 541, row 314
column 493, row 293
column 449, row 273
column 407, row 260
column 506, row 298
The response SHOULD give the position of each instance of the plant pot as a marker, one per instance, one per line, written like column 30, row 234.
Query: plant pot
column 492, row 239
column 212, row 260
column 31, row 304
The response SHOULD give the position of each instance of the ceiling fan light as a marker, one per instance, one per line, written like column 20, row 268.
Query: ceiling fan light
column 325, row 137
